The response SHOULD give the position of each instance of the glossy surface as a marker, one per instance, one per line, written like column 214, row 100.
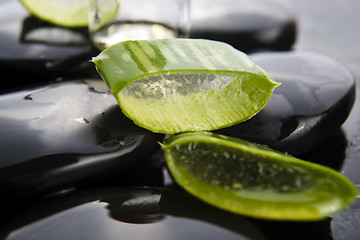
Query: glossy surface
column 64, row 135
column 62, row 13
column 252, row 180
column 143, row 213
column 342, row 47
column 330, row 30
column 181, row 85
column 125, row 62
column 30, row 47
column 246, row 24
column 315, row 98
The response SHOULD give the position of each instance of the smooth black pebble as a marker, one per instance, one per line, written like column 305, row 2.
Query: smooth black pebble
column 314, row 99
column 65, row 135
column 245, row 24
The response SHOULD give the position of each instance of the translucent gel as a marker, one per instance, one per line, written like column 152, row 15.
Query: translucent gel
column 192, row 101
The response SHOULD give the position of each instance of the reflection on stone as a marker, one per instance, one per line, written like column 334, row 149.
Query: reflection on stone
column 69, row 133
column 37, row 31
column 246, row 24
column 315, row 98
column 28, row 56
column 153, row 213
column 331, row 153
column 65, row 135
column 346, row 224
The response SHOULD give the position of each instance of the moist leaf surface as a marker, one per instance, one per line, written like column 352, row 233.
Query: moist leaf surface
column 252, row 180
column 180, row 85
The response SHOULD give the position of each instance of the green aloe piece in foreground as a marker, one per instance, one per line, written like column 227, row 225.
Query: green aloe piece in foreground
column 180, row 85
column 252, row 180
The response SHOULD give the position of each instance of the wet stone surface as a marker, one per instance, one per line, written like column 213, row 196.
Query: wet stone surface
column 245, row 24
column 69, row 133
column 60, row 137
column 315, row 97
column 65, row 135
column 31, row 47
column 137, row 213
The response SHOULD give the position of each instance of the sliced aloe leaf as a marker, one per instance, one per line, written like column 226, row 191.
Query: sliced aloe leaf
column 71, row 13
column 252, row 180
column 179, row 85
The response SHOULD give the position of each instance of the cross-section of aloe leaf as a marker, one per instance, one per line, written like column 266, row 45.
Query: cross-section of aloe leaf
column 252, row 180
column 179, row 85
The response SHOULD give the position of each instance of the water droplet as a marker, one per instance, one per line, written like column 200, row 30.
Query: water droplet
column 28, row 97
column 285, row 188
column 82, row 120
column 189, row 147
column 261, row 168
column 215, row 182
column 49, row 64
column 298, row 182
column 237, row 185
column 113, row 143
column 59, row 79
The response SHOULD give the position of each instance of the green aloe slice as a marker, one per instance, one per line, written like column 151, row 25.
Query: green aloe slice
column 252, row 180
column 69, row 13
column 180, row 85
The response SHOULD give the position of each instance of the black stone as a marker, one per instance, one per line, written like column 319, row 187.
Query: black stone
column 31, row 47
column 156, row 213
column 315, row 97
column 245, row 24
column 66, row 135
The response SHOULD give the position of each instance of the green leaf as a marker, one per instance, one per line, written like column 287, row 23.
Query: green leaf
column 252, row 180
column 180, row 85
